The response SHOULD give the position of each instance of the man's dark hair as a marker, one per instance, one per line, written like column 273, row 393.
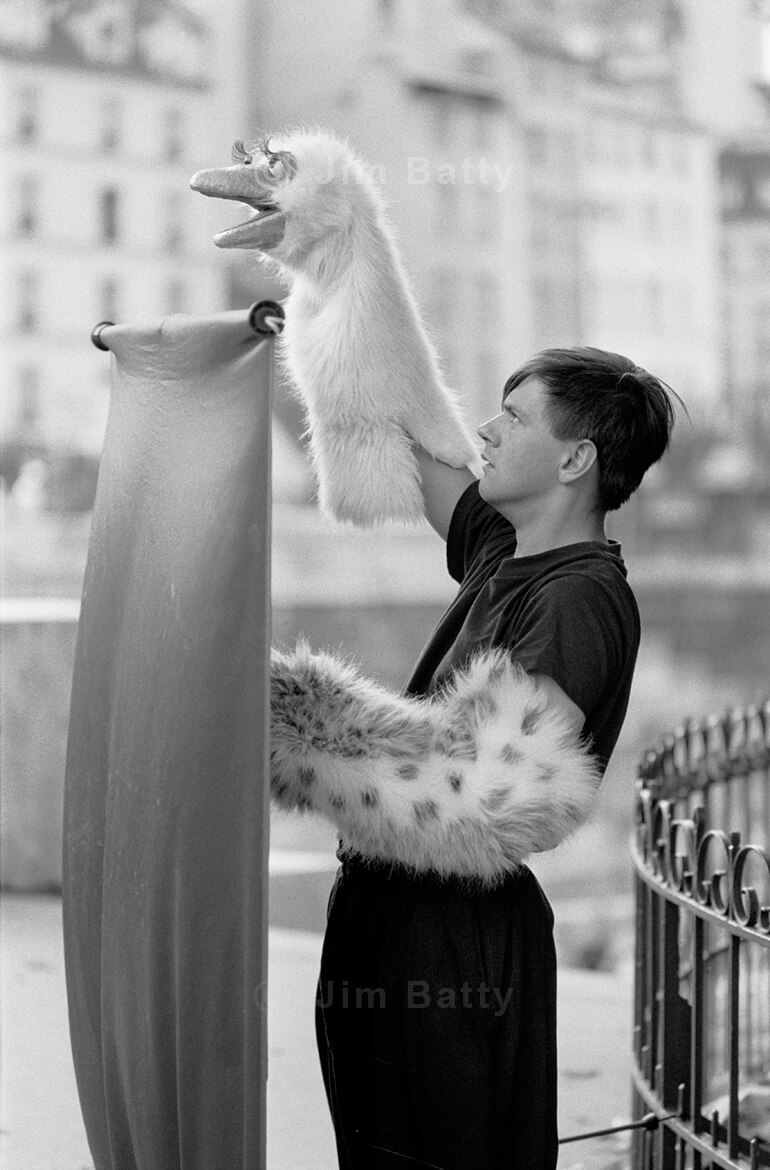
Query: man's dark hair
column 626, row 412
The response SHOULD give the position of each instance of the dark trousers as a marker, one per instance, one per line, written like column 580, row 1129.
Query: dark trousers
column 436, row 1023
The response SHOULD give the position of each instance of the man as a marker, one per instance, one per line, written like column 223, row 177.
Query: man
column 436, row 1009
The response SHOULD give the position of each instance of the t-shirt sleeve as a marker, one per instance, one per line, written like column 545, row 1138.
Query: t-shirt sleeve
column 574, row 631
column 474, row 522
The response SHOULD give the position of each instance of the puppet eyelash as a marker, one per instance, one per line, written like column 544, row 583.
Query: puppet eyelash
column 240, row 154
column 276, row 159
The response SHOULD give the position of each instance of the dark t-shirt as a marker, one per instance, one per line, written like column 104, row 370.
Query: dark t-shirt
column 568, row 613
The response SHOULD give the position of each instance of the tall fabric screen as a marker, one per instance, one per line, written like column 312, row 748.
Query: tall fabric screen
column 166, row 806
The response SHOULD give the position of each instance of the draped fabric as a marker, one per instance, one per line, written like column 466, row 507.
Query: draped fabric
column 166, row 807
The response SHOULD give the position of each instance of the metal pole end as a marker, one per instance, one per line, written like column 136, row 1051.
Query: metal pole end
column 96, row 335
column 266, row 318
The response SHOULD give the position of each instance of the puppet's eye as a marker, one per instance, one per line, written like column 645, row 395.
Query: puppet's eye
column 281, row 165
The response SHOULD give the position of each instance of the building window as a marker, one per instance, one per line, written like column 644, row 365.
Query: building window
column 476, row 61
column 651, row 218
column 385, row 10
column 446, row 209
column 440, row 119
column 108, row 215
column 103, row 32
column 761, row 258
column 591, row 146
column 109, row 133
column 483, row 114
column 27, row 114
column 536, row 145
column 109, row 299
column 539, row 79
column 173, row 135
column 616, row 144
column 681, row 220
column 174, row 235
column 733, row 194
column 649, row 151
column 486, row 204
column 680, row 155
column 761, row 329
column 29, row 400
column 27, row 301
column 176, row 297
column 27, row 220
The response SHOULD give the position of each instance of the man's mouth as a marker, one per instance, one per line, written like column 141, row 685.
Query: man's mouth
column 263, row 229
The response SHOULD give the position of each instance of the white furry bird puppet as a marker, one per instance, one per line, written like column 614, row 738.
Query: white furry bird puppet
column 353, row 341
column 466, row 783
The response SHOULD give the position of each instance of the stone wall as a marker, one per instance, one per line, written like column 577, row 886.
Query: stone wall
column 37, row 658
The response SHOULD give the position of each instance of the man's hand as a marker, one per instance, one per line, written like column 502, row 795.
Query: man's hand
column 442, row 487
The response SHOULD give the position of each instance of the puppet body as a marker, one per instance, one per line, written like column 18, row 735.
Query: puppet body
column 353, row 343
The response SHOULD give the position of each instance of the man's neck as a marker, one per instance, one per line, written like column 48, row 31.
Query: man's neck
column 537, row 534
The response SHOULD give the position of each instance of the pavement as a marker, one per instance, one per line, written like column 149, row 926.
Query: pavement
column 40, row 1124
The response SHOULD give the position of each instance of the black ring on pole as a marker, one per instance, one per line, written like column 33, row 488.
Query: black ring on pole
column 266, row 317
column 96, row 335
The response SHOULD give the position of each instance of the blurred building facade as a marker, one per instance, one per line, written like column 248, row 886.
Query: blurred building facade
column 623, row 205
column 558, row 171
column 105, row 114
column 605, row 123
column 419, row 90
column 745, row 170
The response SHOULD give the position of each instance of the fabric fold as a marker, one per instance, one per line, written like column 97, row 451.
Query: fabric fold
column 166, row 818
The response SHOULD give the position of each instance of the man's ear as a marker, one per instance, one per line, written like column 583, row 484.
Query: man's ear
column 578, row 460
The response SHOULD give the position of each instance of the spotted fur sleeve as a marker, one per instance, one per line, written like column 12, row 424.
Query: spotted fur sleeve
column 465, row 784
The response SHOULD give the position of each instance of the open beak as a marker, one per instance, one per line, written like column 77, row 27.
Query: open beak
column 262, row 230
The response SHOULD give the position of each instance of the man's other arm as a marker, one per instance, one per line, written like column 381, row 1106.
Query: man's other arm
column 442, row 487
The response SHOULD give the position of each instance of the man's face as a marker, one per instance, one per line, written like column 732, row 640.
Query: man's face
column 522, row 456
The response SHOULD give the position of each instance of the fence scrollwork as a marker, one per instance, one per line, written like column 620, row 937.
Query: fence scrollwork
column 701, row 851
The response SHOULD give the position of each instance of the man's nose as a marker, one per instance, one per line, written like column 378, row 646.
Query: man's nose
column 487, row 431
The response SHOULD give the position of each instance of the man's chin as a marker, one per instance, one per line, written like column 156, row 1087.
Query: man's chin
column 484, row 487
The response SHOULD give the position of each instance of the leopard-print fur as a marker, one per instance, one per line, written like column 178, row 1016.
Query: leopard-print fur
column 464, row 784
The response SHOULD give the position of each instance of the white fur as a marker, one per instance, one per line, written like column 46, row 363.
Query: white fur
column 354, row 343
column 465, row 784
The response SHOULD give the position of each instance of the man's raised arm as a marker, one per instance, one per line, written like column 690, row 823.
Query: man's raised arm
column 441, row 487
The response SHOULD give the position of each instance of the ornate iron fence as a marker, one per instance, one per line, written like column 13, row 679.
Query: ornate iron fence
column 702, row 994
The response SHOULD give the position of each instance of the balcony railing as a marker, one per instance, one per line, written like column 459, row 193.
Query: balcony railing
column 702, row 995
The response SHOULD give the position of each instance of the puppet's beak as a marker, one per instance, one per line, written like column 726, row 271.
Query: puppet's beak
column 262, row 230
